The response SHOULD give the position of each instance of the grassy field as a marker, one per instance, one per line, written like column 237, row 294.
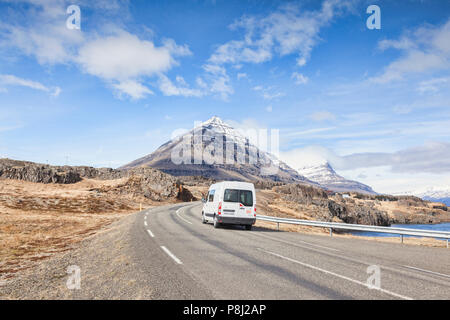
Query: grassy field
column 38, row 220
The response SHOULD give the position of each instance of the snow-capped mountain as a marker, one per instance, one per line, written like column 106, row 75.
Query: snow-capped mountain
column 325, row 175
column 436, row 194
column 205, row 151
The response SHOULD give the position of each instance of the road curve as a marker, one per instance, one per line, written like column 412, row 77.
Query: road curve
column 196, row 261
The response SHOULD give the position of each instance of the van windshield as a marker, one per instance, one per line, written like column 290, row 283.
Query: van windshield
column 242, row 196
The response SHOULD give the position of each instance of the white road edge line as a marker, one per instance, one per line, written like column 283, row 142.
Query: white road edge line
column 178, row 214
column 428, row 271
column 170, row 254
column 336, row 275
column 145, row 223
column 150, row 233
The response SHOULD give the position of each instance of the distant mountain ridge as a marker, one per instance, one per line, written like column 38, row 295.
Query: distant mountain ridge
column 208, row 132
column 325, row 175
column 435, row 194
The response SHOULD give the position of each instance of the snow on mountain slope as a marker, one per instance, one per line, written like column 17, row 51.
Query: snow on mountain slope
column 325, row 175
column 433, row 193
column 207, row 146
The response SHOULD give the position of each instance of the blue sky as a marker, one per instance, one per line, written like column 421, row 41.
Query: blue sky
column 374, row 103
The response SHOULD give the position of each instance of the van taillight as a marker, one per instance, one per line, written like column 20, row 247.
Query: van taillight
column 255, row 212
column 219, row 211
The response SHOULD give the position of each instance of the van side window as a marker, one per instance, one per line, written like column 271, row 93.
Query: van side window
column 211, row 196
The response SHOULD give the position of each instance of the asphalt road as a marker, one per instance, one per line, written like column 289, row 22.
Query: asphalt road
column 185, row 259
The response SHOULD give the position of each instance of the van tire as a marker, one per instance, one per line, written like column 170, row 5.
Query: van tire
column 216, row 223
column 203, row 218
column 248, row 227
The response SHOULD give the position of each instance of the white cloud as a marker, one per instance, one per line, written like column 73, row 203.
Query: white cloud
column 241, row 75
column 217, row 81
column 42, row 33
column 11, row 80
column 432, row 157
column 132, row 60
column 268, row 93
column 299, row 78
column 425, row 50
column 304, row 157
column 56, row 92
column 121, row 59
column 125, row 56
column 287, row 31
column 169, row 89
column 400, row 171
column 433, row 85
column 295, row 133
column 133, row 89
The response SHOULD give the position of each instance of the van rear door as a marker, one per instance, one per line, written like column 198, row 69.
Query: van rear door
column 238, row 202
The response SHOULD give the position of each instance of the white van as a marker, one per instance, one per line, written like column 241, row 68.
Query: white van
column 230, row 202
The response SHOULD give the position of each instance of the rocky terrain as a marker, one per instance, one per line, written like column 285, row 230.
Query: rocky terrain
column 307, row 202
column 47, row 209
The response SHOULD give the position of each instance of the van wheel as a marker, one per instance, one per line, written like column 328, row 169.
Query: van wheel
column 248, row 227
column 203, row 217
column 216, row 223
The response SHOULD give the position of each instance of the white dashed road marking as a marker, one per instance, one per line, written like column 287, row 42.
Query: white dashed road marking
column 170, row 254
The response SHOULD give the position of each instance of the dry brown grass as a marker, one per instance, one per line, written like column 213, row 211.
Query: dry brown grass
column 38, row 220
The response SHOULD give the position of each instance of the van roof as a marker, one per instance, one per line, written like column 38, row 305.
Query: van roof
column 234, row 184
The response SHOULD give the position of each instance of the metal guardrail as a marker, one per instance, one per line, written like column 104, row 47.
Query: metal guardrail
column 359, row 227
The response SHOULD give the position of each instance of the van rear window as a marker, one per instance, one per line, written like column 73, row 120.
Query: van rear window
column 242, row 196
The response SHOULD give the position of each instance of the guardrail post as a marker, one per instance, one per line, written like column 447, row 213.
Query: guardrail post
column 331, row 232
column 401, row 236
column 278, row 226
column 447, row 243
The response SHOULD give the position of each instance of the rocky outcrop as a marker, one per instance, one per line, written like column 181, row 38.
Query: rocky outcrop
column 300, row 192
column 336, row 209
column 142, row 181
column 34, row 172
column 185, row 195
